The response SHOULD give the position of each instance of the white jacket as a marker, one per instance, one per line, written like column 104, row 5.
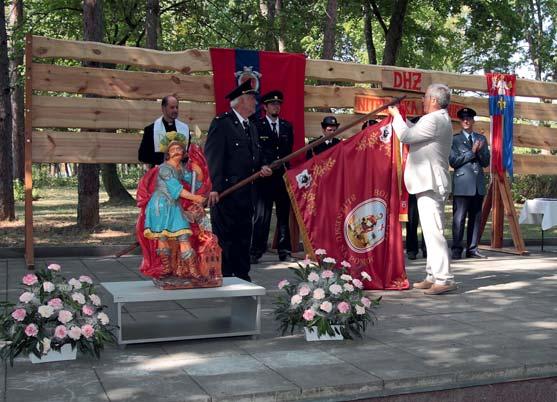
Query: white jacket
column 430, row 140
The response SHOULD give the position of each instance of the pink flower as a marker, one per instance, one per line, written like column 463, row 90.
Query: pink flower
column 283, row 283
column 54, row 267
column 64, row 316
column 313, row 277
column 329, row 260
column 309, row 314
column 360, row 310
column 60, row 332
column 31, row 330
column 327, row 274
column 48, row 287
column 26, row 297
column 358, row 283
column 306, row 262
column 87, row 330
column 78, row 297
column 348, row 287
column 103, row 318
column 304, row 291
column 335, row 289
column 88, row 310
column 86, row 279
column 74, row 333
column 346, row 277
column 318, row 294
column 343, row 307
column 56, row 303
column 19, row 314
column 326, row 306
column 96, row 300
column 30, row 279
column 345, row 264
column 295, row 300
column 74, row 283
column 366, row 302
column 320, row 251
column 366, row 276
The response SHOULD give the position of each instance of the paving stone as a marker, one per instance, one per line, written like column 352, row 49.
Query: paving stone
column 139, row 383
column 262, row 385
column 195, row 349
column 54, row 383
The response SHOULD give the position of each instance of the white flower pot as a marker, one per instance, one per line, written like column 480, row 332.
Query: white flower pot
column 313, row 335
column 65, row 353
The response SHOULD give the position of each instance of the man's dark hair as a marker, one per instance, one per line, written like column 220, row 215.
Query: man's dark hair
column 166, row 98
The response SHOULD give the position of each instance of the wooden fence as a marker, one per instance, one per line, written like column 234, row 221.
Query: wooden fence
column 128, row 98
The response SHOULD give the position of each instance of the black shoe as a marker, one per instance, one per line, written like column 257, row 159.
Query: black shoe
column 253, row 259
column 424, row 254
column 476, row 254
column 285, row 257
column 411, row 255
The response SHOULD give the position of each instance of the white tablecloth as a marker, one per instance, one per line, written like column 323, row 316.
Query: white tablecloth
column 539, row 211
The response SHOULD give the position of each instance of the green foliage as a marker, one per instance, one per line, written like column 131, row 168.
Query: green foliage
column 19, row 191
column 533, row 186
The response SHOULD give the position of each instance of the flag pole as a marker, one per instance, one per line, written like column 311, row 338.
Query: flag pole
column 304, row 149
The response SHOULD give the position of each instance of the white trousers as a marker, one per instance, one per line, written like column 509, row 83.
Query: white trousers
column 431, row 208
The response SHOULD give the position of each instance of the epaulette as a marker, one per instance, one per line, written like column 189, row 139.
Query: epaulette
column 221, row 116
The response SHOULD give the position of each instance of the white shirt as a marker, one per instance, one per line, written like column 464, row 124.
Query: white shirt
column 276, row 123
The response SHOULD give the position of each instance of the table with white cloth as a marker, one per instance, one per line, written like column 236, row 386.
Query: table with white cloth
column 539, row 211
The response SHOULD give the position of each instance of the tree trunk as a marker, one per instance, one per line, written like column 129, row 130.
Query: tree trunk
column 88, row 174
column 152, row 24
column 117, row 193
column 393, row 38
column 330, row 30
column 7, row 208
column 368, row 34
column 18, row 133
column 267, row 11
column 282, row 26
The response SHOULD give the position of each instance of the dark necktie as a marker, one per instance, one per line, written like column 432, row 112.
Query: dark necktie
column 471, row 140
column 246, row 127
column 274, row 124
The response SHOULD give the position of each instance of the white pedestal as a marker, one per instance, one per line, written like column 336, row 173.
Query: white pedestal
column 233, row 309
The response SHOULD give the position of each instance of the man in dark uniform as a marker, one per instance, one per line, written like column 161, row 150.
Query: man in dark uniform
column 232, row 152
column 276, row 140
column 328, row 125
column 152, row 134
column 469, row 155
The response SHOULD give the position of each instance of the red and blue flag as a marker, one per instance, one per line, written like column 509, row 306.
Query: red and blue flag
column 501, row 88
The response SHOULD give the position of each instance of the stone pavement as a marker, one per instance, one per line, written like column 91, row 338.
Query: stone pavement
column 500, row 326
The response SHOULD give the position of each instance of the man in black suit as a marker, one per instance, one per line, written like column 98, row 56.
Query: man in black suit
column 152, row 134
column 328, row 125
column 469, row 155
column 276, row 140
column 232, row 152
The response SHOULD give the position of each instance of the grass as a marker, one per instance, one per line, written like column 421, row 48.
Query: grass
column 55, row 215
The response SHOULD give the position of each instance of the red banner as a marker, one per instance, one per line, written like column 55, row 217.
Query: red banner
column 347, row 202
column 268, row 71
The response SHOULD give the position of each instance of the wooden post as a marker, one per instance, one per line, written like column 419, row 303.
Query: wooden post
column 497, row 214
column 29, row 252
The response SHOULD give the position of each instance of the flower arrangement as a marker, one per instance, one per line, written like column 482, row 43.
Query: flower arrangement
column 325, row 295
column 172, row 136
column 53, row 312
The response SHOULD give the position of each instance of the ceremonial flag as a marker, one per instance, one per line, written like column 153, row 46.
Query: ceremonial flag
column 501, row 88
column 268, row 71
column 346, row 200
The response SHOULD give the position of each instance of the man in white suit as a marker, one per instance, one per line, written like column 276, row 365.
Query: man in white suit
column 427, row 176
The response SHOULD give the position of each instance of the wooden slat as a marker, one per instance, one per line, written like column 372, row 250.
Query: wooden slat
column 199, row 60
column 29, row 253
column 147, row 85
column 85, row 147
column 121, row 83
column 185, row 62
column 95, row 147
column 94, row 114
